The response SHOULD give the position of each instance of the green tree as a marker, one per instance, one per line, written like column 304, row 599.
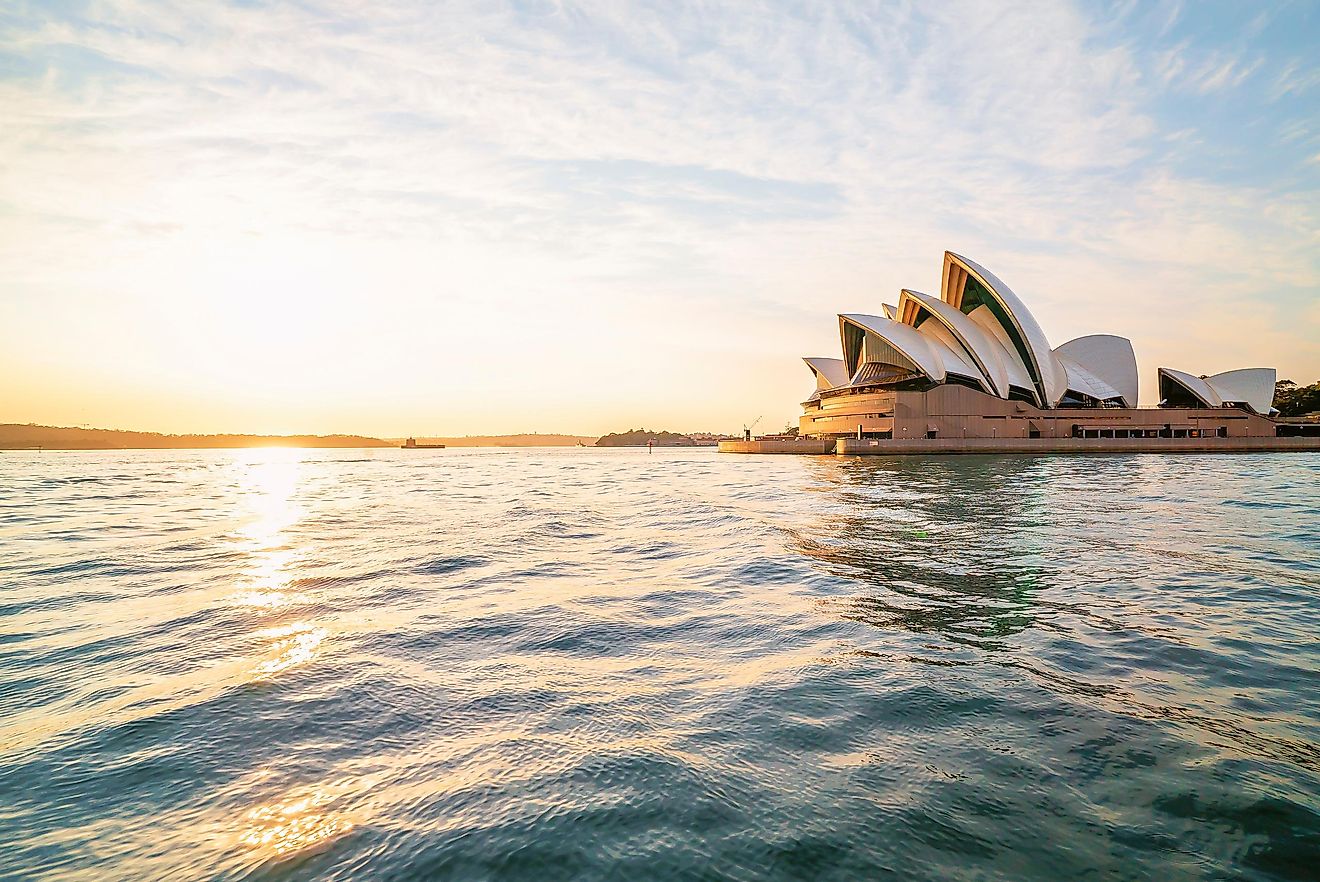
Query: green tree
column 1293, row 400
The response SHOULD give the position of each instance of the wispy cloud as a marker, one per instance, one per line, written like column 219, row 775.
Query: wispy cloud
column 1212, row 72
column 1172, row 12
column 1297, row 78
column 1217, row 74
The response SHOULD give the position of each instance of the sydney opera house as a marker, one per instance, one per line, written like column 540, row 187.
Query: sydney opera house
column 972, row 370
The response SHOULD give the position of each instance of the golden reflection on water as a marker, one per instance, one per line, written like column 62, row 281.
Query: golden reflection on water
column 269, row 599
column 282, row 829
column 269, row 482
column 294, row 645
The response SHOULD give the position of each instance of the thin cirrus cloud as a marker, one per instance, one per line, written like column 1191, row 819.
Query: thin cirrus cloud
column 575, row 216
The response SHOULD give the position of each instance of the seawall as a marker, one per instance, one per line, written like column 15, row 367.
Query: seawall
column 804, row 447
column 924, row 446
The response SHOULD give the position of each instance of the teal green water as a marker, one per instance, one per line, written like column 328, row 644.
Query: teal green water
column 581, row 664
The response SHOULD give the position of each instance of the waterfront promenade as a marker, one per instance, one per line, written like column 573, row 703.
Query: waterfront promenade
column 926, row 446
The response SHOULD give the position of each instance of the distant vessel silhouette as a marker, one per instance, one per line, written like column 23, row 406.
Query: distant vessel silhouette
column 411, row 444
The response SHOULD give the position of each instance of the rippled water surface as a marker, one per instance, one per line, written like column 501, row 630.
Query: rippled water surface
column 582, row 664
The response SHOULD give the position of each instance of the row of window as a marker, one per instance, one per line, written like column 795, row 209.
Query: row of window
column 1167, row 432
column 850, row 416
column 1079, row 432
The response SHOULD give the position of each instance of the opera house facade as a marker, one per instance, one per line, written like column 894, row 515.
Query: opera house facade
column 972, row 370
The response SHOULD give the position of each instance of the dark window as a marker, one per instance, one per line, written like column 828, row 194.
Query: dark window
column 852, row 347
column 1175, row 394
column 1017, row 393
column 960, row 380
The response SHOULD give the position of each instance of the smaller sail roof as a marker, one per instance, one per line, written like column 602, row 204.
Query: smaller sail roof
column 1103, row 361
column 1190, row 383
column 915, row 349
column 1082, row 380
column 829, row 372
column 1251, row 386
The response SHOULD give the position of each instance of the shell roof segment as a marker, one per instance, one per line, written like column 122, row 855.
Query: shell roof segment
column 967, row 285
column 829, row 372
column 980, row 348
column 1102, row 357
column 1253, row 387
column 884, row 341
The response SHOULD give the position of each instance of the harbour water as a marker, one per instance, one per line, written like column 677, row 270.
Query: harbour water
column 604, row 664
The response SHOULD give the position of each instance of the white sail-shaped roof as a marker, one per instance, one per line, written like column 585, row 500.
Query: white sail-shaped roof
column 1014, row 369
column 970, row 338
column 829, row 372
column 1192, row 384
column 885, row 341
column 1048, row 375
column 957, row 360
column 1103, row 362
column 890, row 312
column 1251, row 386
column 1085, row 382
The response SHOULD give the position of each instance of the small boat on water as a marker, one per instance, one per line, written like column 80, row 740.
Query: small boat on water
column 411, row 444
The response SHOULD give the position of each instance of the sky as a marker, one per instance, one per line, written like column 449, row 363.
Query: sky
column 444, row 219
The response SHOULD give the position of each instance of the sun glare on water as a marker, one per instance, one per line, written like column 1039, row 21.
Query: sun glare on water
column 281, row 830
column 269, row 481
column 294, row 644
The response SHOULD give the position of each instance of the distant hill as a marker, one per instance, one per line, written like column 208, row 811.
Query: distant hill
column 530, row 440
column 640, row 437
column 14, row 436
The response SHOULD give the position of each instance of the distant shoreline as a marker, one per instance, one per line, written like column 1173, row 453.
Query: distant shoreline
column 525, row 439
column 56, row 449
column 31, row 437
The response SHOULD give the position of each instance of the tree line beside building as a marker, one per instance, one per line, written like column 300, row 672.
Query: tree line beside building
column 1292, row 400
